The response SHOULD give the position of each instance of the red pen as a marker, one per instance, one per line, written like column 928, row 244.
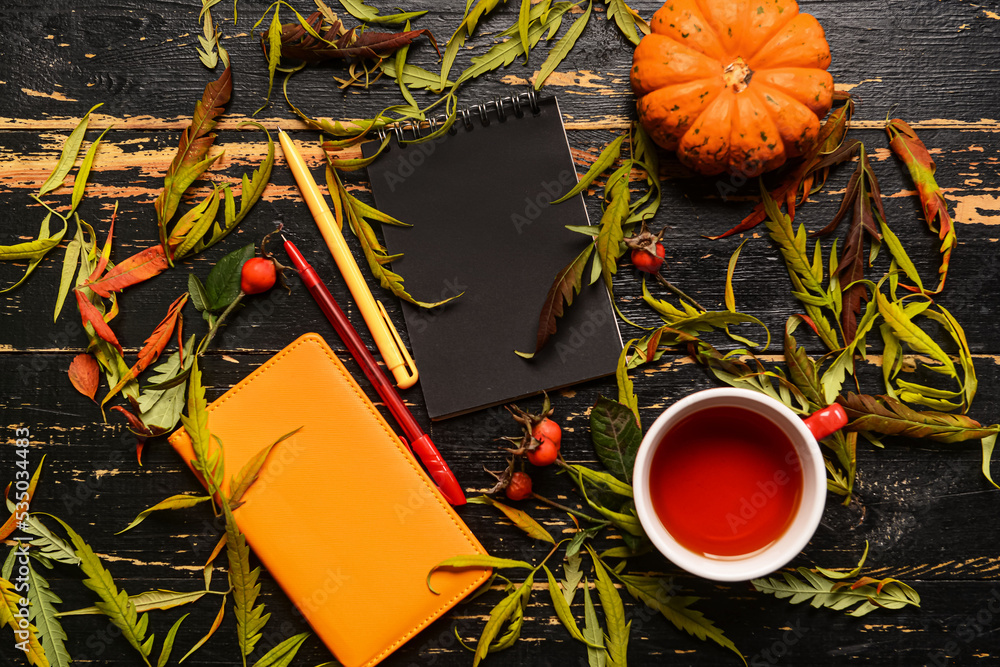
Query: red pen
column 419, row 442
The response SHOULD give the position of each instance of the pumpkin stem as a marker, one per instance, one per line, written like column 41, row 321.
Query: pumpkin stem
column 737, row 75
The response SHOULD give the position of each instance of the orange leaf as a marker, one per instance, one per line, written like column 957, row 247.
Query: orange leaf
column 89, row 313
column 10, row 524
column 137, row 268
column 85, row 374
column 914, row 154
column 106, row 251
column 135, row 424
column 157, row 341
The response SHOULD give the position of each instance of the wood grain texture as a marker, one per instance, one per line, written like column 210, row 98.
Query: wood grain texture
column 924, row 508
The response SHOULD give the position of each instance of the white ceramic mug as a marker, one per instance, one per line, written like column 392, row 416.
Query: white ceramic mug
column 803, row 436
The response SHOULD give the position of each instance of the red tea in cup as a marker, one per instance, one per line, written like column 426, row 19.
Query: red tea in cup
column 725, row 482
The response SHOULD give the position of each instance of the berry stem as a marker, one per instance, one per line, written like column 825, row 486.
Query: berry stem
column 218, row 324
column 564, row 508
column 676, row 290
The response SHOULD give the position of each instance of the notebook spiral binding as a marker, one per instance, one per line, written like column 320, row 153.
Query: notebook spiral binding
column 517, row 103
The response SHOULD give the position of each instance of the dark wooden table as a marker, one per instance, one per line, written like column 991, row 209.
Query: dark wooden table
column 925, row 509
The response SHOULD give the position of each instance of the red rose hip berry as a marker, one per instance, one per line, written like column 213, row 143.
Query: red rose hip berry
column 644, row 260
column 258, row 275
column 519, row 487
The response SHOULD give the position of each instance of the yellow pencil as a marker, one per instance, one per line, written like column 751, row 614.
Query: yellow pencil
column 387, row 339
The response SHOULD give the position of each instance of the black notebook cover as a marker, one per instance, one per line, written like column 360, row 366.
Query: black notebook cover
column 478, row 199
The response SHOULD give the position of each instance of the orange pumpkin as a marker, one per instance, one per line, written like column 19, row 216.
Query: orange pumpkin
column 733, row 85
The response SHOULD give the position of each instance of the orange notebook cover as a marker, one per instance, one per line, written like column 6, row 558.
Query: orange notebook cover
column 342, row 515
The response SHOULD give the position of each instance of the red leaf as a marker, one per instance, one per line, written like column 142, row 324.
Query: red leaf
column 568, row 282
column 137, row 268
column 914, row 154
column 297, row 43
column 85, row 374
column 89, row 313
column 157, row 341
column 135, row 424
column 810, row 171
column 106, row 252
column 194, row 144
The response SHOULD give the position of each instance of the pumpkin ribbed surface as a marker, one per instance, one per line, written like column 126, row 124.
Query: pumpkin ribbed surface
column 733, row 85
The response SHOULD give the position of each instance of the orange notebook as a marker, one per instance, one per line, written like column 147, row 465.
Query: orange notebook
column 342, row 515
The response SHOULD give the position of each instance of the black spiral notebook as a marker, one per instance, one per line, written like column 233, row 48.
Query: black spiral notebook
column 478, row 198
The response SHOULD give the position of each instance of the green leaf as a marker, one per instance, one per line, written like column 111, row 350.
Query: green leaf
column 602, row 480
column 853, row 572
column 481, row 561
column 69, row 152
column 42, row 613
column 989, row 442
column 273, row 52
column 172, row 503
column 607, row 157
column 464, row 30
column 150, row 600
column 34, row 250
column 251, row 192
column 626, row 391
column 363, row 12
column 911, row 334
column 574, row 575
column 616, row 436
column 160, row 407
column 519, row 518
column 250, row 619
column 504, row 53
column 563, row 611
column 198, row 295
column 113, row 603
column 283, row 654
column 9, row 616
column 864, row 596
column 614, row 614
column 656, row 594
column 242, row 482
column 592, row 631
column 412, row 76
column 223, row 283
column 523, row 21
column 71, row 261
column 498, row 617
column 562, row 48
column 624, row 18
column 730, row 270
column 207, row 461
column 190, row 229
column 47, row 543
column 888, row 416
column 80, row 185
column 168, row 643
column 610, row 236
column 211, row 631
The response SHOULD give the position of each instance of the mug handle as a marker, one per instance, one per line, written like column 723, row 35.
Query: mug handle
column 826, row 421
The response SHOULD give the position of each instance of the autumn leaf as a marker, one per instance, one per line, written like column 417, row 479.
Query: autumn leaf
column 299, row 41
column 519, row 518
column 888, row 416
column 85, row 374
column 12, row 522
column 568, row 283
column 90, row 315
column 10, row 616
column 809, row 172
column 190, row 162
column 911, row 150
column 153, row 346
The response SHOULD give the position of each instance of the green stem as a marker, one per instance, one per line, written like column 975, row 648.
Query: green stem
column 218, row 324
column 676, row 290
column 567, row 509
